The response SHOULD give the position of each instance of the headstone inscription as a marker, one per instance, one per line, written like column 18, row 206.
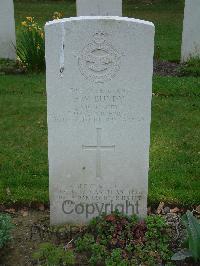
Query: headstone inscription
column 99, row 7
column 99, row 86
column 191, row 31
column 7, row 30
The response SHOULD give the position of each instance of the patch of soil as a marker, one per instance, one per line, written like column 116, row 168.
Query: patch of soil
column 8, row 67
column 165, row 68
column 26, row 237
column 31, row 228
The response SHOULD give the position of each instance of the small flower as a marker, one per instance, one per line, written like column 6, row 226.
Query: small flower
column 24, row 24
column 57, row 15
column 38, row 29
column 29, row 19
column 34, row 25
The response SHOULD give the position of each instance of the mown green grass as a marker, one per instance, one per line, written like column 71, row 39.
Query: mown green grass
column 175, row 149
column 23, row 138
column 174, row 155
column 167, row 15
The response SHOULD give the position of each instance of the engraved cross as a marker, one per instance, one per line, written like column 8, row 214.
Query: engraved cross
column 98, row 148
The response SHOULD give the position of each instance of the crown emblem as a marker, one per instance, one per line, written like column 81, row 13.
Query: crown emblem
column 99, row 37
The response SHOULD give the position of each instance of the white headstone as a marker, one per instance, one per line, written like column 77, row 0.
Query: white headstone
column 99, row 87
column 99, row 7
column 191, row 30
column 7, row 30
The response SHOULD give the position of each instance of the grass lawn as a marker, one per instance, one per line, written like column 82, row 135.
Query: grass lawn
column 175, row 149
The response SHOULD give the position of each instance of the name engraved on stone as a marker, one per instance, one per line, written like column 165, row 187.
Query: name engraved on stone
column 99, row 61
column 99, row 147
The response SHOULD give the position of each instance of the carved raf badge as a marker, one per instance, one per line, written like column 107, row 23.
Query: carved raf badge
column 99, row 61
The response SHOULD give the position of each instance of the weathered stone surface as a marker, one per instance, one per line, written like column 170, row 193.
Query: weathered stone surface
column 191, row 30
column 99, row 7
column 99, row 86
column 7, row 30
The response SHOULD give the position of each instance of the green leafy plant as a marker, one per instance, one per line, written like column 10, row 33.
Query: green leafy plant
column 116, row 259
column 193, row 242
column 98, row 254
column 83, row 244
column 155, row 247
column 157, row 237
column 116, row 239
column 5, row 229
column 31, row 46
column 49, row 254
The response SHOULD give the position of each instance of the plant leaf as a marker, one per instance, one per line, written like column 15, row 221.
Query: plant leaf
column 182, row 255
column 193, row 228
